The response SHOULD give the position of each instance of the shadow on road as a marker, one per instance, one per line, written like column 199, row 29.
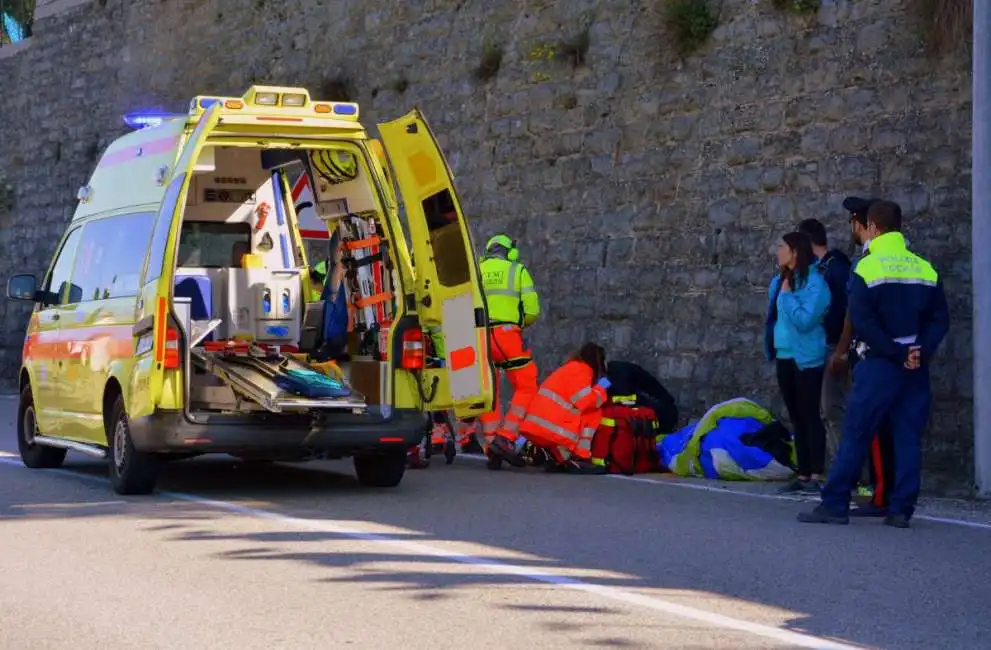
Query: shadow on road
column 864, row 585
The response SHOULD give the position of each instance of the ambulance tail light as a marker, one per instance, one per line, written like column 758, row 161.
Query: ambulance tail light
column 412, row 358
column 171, row 360
column 267, row 99
column 294, row 99
column 166, row 338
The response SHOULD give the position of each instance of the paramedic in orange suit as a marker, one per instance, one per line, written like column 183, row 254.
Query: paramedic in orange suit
column 513, row 305
column 564, row 414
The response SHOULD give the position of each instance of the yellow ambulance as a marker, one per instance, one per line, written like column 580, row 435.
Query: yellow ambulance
column 180, row 317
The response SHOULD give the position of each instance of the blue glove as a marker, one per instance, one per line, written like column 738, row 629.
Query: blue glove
column 604, row 382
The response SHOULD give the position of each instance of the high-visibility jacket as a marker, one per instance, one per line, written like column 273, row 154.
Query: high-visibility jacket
column 896, row 301
column 556, row 410
column 509, row 292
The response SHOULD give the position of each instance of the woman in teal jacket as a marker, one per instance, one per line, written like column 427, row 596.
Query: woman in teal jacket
column 799, row 299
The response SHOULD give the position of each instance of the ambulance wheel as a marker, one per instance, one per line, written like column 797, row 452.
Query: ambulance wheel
column 380, row 470
column 450, row 451
column 34, row 455
column 131, row 471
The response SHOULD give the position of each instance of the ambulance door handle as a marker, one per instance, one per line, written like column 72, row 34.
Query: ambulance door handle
column 427, row 301
column 55, row 316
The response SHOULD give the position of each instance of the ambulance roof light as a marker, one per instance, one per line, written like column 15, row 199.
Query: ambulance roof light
column 149, row 119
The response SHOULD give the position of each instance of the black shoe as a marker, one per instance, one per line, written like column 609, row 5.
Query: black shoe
column 504, row 450
column 811, row 488
column 583, row 467
column 896, row 521
column 869, row 510
column 471, row 447
column 819, row 515
column 793, row 487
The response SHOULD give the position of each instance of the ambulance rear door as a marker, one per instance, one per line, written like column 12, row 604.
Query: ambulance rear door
column 448, row 292
column 156, row 334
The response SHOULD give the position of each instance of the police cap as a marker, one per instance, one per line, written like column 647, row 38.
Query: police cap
column 857, row 207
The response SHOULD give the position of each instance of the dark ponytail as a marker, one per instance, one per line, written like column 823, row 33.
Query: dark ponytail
column 594, row 356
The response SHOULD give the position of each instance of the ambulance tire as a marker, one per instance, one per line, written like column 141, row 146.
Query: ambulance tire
column 384, row 470
column 131, row 471
column 33, row 455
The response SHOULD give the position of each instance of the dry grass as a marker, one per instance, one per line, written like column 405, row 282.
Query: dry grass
column 947, row 24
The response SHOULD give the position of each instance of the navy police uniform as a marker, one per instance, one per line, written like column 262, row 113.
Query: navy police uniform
column 896, row 301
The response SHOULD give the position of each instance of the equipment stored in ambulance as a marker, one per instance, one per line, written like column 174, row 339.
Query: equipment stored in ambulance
column 237, row 280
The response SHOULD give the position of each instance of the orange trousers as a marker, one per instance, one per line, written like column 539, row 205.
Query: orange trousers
column 510, row 355
column 560, row 447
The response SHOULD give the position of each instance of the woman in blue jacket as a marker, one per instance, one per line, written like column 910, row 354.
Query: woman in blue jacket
column 796, row 342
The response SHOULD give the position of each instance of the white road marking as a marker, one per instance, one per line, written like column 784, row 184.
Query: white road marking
column 674, row 483
column 603, row 591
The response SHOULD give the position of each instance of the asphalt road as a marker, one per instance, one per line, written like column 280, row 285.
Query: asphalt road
column 228, row 555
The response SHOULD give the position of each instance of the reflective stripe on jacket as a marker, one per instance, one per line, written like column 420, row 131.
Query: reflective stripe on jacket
column 561, row 400
column 896, row 297
column 509, row 292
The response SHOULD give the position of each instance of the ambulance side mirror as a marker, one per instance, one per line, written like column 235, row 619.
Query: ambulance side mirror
column 23, row 287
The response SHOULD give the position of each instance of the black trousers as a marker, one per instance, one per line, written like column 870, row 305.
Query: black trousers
column 802, row 393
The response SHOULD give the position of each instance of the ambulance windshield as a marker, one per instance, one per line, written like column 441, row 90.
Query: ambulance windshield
column 207, row 244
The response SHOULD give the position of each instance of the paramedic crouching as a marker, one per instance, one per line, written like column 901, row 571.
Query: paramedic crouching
column 562, row 417
column 899, row 314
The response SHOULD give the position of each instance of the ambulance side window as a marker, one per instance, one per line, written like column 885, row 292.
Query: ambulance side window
column 163, row 225
column 58, row 285
column 446, row 241
column 110, row 256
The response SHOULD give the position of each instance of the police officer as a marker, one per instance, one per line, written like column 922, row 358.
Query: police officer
column 899, row 316
column 513, row 305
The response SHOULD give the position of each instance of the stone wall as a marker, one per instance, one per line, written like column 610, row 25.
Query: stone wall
column 648, row 191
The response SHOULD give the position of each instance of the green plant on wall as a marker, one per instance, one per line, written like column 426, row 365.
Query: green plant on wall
column 573, row 50
column 691, row 22
column 797, row 6
column 947, row 25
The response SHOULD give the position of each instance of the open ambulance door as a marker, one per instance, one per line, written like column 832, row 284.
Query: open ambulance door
column 448, row 292
column 156, row 336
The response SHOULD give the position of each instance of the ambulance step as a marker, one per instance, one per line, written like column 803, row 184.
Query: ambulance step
column 253, row 379
column 71, row 445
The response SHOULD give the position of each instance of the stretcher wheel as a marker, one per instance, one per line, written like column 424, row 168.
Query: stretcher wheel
column 494, row 463
column 450, row 451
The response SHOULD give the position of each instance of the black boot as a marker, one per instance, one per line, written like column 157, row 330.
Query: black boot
column 504, row 450
column 584, row 467
column 493, row 463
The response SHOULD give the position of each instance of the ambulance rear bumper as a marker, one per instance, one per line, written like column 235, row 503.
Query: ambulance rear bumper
column 334, row 435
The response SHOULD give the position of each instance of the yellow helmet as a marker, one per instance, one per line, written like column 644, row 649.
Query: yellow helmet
column 334, row 166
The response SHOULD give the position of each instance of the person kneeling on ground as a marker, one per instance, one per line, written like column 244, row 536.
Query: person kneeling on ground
column 564, row 414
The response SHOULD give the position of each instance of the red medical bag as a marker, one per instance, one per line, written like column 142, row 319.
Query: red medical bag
column 627, row 439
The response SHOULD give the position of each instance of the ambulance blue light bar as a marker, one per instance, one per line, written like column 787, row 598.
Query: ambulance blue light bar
column 146, row 120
